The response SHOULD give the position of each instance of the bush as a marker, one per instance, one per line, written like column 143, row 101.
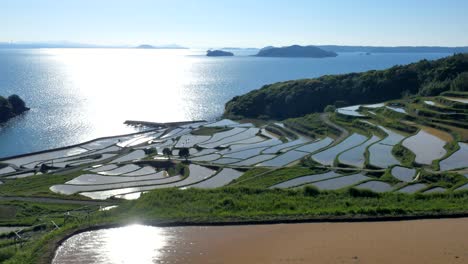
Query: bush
column 362, row 193
column 311, row 191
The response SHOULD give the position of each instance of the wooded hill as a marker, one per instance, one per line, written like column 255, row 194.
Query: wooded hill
column 299, row 97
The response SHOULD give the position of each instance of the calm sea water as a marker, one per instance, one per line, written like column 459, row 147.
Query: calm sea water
column 80, row 94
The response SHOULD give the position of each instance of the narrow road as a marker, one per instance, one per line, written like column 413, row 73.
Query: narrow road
column 324, row 117
column 54, row 200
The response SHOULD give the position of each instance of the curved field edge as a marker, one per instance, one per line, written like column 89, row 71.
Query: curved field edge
column 170, row 207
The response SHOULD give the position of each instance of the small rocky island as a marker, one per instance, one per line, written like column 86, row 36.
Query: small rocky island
column 11, row 107
column 295, row 51
column 145, row 46
column 218, row 53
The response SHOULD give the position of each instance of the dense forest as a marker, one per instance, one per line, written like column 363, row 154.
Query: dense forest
column 11, row 107
column 300, row 97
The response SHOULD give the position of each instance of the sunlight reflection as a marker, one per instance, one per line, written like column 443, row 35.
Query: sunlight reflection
column 134, row 244
column 114, row 85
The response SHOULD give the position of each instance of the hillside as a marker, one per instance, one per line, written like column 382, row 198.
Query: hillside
column 218, row 53
column 11, row 107
column 397, row 49
column 295, row 51
column 299, row 97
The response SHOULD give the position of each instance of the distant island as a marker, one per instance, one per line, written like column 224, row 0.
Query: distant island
column 11, row 107
column 295, row 51
column 146, row 46
column 218, row 53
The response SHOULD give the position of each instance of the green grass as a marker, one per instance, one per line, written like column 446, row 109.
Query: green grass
column 262, row 178
column 404, row 155
column 261, row 204
column 310, row 125
column 28, row 213
column 37, row 185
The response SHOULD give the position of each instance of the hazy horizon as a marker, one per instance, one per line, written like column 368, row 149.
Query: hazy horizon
column 237, row 23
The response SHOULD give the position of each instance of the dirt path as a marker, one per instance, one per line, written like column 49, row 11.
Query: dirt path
column 324, row 117
column 53, row 200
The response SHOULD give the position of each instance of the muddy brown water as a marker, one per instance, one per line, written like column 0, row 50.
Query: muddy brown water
column 417, row 241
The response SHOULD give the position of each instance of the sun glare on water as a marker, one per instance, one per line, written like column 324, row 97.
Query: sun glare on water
column 125, row 245
column 134, row 244
column 114, row 85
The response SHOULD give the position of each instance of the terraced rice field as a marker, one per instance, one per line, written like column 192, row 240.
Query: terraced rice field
column 356, row 156
column 436, row 190
column 224, row 177
column 126, row 166
column 403, row 174
column 299, row 181
column 397, row 109
column 426, row 146
column 340, row 182
column 327, row 157
column 375, row 186
column 350, row 111
column 459, row 100
column 315, row 146
column 284, row 159
column 412, row 188
column 380, row 153
column 457, row 160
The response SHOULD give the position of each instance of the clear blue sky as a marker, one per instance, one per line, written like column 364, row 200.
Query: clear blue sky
column 243, row 23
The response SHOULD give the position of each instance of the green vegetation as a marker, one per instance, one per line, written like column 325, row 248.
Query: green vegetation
column 38, row 219
column 300, row 97
column 11, row 107
column 404, row 155
column 311, row 125
column 263, row 178
column 295, row 51
column 208, row 131
column 167, row 152
column 179, row 169
column 184, row 153
column 37, row 186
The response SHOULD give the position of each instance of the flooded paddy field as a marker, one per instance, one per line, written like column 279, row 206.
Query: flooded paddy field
column 426, row 146
column 355, row 156
column 327, row 157
column 417, row 241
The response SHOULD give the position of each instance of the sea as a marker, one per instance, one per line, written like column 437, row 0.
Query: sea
column 77, row 95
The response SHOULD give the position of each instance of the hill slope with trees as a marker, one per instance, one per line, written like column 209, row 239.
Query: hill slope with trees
column 299, row 97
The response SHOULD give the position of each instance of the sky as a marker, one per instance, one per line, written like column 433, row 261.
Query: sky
column 237, row 23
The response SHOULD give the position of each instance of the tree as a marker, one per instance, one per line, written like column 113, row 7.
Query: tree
column 460, row 83
column 184, row 153
column 151, row 151
column 330, row 109
column 167, row 152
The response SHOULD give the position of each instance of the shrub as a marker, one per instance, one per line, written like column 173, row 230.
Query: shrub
column 362, row 193
column 311, row 191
